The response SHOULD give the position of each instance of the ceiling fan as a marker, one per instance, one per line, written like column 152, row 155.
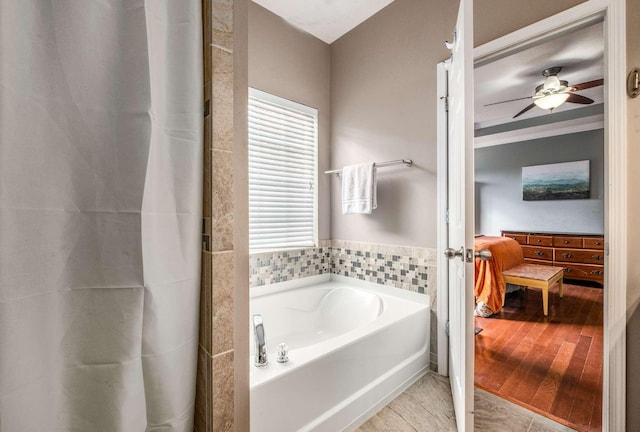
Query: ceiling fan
column 554, row 92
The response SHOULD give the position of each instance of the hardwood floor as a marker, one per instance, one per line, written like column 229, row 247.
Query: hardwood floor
column 551, row 365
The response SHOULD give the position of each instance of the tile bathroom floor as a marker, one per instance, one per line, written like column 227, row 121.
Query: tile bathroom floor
column 427, row 406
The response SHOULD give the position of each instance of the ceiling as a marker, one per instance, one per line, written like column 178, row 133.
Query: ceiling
column 327, row 20
column 580, row 54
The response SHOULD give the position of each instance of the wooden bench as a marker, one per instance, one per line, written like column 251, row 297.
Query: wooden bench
column 537, row 276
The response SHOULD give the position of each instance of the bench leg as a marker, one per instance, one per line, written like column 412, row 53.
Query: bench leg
column 560, row 287
column 504, row 294
column 545, row 300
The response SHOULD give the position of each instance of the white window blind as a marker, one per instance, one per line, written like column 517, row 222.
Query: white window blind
column 282, row 172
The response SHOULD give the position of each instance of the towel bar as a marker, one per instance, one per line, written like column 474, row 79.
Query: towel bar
column 405, row 162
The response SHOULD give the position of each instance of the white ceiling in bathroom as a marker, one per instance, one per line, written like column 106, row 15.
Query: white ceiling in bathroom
column 327, row 20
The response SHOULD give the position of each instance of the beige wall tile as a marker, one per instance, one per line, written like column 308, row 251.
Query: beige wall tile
column 205, row 302
column 221, row 201
column 206, row 37
column 222, row 302
column 203, row 389
column 206, row 174
column 223, row 392
column 222, row 23
column 222, row 99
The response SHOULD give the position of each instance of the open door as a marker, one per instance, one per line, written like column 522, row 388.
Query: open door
column 460, row 214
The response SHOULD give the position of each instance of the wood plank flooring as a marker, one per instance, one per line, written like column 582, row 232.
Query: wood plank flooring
column 551, row 365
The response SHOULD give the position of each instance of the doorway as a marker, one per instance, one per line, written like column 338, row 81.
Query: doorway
column 550, row 364
column 615, row 171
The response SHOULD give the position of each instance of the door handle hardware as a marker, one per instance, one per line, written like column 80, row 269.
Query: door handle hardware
column 451, row 253
column 483, row 254
column 633, row 83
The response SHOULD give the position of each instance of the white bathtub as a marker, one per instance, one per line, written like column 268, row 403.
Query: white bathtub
column 353, row 346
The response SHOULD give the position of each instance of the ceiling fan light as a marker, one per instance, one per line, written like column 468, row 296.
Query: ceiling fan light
column 552, row 82
column 551, row 101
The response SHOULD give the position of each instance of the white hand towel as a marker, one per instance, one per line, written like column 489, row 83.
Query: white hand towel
column 359, row 188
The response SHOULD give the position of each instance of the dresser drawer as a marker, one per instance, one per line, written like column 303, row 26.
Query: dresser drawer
column 539, row 240
column 568, row 242
column 584, row 271
column 594, row 243
column 520, row 238
column 537, row 261
column 587, row 256
column 538, row 253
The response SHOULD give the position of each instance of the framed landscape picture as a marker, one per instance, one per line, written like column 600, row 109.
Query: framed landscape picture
column 560, row 181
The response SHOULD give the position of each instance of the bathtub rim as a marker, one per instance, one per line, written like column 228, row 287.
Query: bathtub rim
column 309, row 281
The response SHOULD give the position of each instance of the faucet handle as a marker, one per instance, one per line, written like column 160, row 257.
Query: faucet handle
column 283, row 351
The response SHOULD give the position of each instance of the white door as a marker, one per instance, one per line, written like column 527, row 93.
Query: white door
column 461, row 213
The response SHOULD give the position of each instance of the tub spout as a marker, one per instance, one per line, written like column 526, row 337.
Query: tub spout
column 261, row 347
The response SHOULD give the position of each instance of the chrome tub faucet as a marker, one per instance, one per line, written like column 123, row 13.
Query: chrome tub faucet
column 261, row 347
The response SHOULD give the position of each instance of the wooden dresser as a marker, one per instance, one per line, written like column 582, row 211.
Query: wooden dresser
column 581, row 255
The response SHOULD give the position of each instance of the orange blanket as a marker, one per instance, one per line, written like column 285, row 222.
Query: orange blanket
column 489, row 286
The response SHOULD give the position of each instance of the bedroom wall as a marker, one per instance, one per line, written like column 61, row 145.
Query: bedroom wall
column 294, row 65
column 498, row 181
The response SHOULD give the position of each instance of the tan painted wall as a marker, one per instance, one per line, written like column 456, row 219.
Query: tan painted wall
column 383, row 107
column 633, row 274
column 495, row 18
column 289, row 63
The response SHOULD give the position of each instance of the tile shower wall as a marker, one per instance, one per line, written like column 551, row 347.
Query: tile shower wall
column 403, row 267
column 215, row 380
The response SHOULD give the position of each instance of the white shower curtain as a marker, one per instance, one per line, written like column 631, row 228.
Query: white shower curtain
column 100, row 214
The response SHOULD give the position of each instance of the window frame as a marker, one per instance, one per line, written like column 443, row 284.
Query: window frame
column 307, row 110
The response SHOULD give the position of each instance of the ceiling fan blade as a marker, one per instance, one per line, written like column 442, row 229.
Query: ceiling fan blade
column 524, row 110
column 510, row 100
column 577, row 99
column 589, row 84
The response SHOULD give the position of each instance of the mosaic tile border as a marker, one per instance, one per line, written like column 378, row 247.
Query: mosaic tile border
column 278, row 266
column 404, row 267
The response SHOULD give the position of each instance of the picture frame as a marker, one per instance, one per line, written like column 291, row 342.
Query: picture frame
column 558, row 181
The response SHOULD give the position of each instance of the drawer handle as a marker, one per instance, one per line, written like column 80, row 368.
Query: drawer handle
column 539, row 240
column 567, row 269
column 598, row 243
column 566, row 242
column 596, row 272
column 567, row 255
column 539, row 253
column 598, row 257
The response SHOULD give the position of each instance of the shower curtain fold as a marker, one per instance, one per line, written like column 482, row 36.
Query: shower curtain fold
column 100, row 214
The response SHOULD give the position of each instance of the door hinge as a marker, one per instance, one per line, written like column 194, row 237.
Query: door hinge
column 446, row 216
column 446, row 329
column 446, row 102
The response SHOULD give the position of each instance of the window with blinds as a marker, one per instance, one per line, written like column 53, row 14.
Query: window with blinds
column 283, row 145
